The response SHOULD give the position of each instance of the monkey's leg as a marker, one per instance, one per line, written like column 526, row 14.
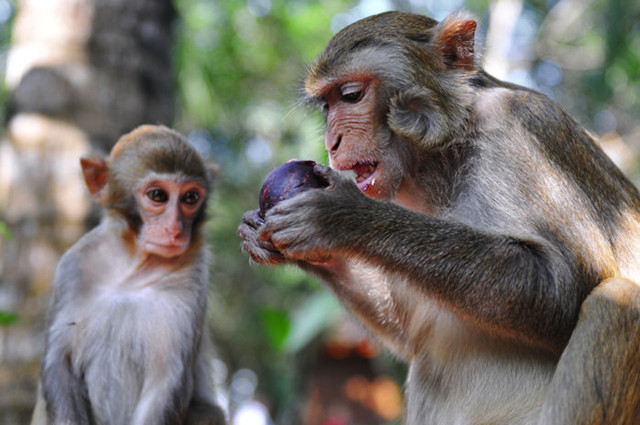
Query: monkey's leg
column 597, row 381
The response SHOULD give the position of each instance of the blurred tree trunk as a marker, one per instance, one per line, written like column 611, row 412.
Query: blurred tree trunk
column 503, row 17
column 81, row 73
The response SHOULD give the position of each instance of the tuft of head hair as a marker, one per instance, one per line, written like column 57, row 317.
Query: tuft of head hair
column 376, row 30
column 418, row 38
column 158, row 149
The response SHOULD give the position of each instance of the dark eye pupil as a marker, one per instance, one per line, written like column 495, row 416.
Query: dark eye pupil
column 157, row 195
column 190, row 198
column 351, row 97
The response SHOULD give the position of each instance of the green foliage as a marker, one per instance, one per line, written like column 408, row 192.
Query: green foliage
column 239, row 68
column 277, row 325
column 310, row 319
column 8, row 318
column 5, row 233
column 233, row 55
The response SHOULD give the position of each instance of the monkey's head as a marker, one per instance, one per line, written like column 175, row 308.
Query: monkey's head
column 393, row 86
column 158, row 183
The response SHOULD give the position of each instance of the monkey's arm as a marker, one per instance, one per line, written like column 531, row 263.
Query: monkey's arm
column 63, row 391
column 369, row 293
column 352, row 287
column 203, row 409
column 506, row 285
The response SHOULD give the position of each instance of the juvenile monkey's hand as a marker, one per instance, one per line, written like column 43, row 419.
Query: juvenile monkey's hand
column 260, row 251
column 314, row 225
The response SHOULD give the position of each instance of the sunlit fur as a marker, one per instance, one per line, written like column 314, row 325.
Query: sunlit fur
column 127, row 340
column 481, row 270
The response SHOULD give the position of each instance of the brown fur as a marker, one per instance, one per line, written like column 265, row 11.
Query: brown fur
column 127, row 341
column 491, row 216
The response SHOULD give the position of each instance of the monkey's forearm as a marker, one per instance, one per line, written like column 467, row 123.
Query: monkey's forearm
column 375, row 308
column 63, row 393
column 503, row 284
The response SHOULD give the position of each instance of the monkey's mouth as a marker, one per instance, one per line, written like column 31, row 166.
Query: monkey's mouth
column 364, row 171
column 166, row 249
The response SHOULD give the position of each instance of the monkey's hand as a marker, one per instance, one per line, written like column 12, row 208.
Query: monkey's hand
column 310, row 226
column 260, row 251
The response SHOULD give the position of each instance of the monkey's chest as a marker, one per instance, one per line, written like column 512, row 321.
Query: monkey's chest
column 132, row 327
column 129, row 340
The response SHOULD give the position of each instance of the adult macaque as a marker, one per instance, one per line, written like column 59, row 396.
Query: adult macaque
column 127, row 341
column 497, row 245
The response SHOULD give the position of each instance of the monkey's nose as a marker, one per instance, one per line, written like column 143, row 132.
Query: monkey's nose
column 336, row 145
column 174, row 230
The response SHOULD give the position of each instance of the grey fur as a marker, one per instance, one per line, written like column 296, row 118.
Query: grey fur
column 506, row 217
column 126, row 345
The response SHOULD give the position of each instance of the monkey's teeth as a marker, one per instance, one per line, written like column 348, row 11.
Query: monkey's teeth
column 363, row 171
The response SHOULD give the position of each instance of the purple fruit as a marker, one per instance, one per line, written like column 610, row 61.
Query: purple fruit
column 287, row 181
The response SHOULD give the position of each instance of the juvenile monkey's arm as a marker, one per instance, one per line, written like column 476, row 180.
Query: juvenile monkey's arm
column 63, row 391
column 203, row 409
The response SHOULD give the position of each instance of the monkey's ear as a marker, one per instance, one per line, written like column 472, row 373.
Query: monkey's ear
column 418, row 116
column 94, row 171
column 455, row 41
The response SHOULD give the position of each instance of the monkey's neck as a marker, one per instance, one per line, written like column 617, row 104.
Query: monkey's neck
column 431, row 188
column 410, row 196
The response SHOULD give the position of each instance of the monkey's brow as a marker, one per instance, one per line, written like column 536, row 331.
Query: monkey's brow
column 315, row 101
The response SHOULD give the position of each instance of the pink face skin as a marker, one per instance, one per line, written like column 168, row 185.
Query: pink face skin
column 168, row 207
column 351, row 140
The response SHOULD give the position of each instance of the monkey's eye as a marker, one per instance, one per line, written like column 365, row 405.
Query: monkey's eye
column 158, row 195
column 351, row 92
column 191, row 198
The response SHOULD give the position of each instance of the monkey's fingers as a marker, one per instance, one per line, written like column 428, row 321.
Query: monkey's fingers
column 252, row 219
column 334, row 177
column 248, row 228
column 265, row 257
column 250, row 237
column 327, row 173
column 260, row 251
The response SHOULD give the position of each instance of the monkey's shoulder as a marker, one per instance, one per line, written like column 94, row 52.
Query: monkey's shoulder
column 95, row 246
column 518, row 105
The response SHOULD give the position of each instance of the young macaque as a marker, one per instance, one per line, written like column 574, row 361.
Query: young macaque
column 127, row 342
column 487, row 239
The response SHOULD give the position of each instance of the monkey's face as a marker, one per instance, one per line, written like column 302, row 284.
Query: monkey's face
column 357, row 137
column 168, row 206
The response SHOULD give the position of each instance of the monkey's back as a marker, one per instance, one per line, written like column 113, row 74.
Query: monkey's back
column 544, row 178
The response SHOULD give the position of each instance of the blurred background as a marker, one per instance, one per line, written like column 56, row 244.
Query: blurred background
column 76, row 74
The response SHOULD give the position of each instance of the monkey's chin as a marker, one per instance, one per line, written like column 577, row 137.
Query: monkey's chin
column 164, row 250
